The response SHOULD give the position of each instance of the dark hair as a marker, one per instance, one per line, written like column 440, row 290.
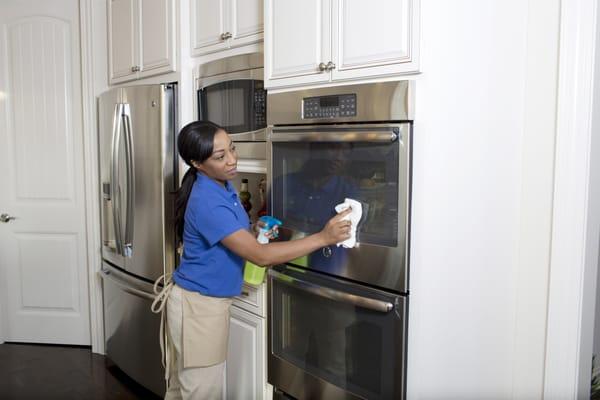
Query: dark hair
column 195, row 143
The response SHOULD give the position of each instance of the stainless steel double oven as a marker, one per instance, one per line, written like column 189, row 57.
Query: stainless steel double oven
column 338, row 317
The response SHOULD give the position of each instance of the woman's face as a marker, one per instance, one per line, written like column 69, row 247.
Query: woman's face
column 222, row 164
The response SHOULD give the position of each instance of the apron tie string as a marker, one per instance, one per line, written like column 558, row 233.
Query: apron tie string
column 158, row 306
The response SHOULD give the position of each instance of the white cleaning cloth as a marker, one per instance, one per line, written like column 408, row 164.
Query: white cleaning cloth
column 354, row 218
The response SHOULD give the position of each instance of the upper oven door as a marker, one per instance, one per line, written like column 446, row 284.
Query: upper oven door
column 315, row 168
column 236, row 103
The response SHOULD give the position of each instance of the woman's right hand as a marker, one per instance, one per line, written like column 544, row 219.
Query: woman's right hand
column 336, row 230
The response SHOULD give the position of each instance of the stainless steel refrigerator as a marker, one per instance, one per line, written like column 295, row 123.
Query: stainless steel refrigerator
column 138, row 178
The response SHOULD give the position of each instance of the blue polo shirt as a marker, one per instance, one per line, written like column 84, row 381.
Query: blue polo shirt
column 213, row 212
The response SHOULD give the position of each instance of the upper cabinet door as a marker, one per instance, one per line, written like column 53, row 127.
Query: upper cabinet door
column 246, row 18
column 157, row 50
column 122, row 39
column 297, row 41
column 141, row 38
column 210, row 19
column 354, row 39
column 370, row 40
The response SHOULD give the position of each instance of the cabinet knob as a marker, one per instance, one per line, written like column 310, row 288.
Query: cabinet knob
column 322, row 67
column 226, row 35
column 330, row 66
column 6, row 218
column 135, row 68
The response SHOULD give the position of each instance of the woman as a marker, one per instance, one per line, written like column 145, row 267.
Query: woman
column 216, row 240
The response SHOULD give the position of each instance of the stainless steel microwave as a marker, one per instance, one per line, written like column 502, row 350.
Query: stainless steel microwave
column 230, row 92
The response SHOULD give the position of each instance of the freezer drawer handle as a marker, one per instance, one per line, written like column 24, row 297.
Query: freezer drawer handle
column 106, row 275
column 364, row 302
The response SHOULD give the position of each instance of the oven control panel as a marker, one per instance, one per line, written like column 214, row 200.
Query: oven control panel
column 343, row 105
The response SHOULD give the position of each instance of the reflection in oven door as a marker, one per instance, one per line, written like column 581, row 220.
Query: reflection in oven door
column 333, row 339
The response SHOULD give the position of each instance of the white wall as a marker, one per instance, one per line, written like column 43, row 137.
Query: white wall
column 482, row 189
column 596, row 122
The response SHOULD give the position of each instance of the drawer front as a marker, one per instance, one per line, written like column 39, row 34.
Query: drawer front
column 252, row 299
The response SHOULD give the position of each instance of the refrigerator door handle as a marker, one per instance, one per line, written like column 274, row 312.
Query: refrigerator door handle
column 128, row 244
column 114, row 172
column 105, row 274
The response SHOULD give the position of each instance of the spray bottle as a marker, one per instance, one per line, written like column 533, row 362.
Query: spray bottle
column 255, row 274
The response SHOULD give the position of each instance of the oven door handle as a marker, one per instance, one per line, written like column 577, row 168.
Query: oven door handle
column 359, row 301
column 369, row 136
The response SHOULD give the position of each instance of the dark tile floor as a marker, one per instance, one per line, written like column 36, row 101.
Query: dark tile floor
column 62, row 372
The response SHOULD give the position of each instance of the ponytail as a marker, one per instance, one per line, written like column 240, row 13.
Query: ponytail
column 195, row 143
column 181, row 200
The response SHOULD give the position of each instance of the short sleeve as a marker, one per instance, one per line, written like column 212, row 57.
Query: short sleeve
column 217, row 223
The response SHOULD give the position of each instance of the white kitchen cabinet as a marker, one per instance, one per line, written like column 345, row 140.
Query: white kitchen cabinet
column 252, row 299
column 141, row 38
column 318, row 41
column 245, row 371
column 222, row 24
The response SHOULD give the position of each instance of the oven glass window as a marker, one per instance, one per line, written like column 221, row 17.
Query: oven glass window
column 310, row 178
column 237, row 105
column 354, row 348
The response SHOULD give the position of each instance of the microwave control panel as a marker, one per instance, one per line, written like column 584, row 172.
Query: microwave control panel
column 343, row 105
column 260, row 108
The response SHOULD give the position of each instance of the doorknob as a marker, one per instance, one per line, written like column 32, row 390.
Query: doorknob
column 6, row 218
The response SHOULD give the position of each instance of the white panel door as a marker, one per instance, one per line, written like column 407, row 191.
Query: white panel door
column 157, row 42
column 210, row 20
column 297, row 40
column 43, row 273
column 371, row 40
column 245, row 378
column 246, row 21
column 122, row 40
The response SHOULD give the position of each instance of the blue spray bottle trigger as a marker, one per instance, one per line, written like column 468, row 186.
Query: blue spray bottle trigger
column 269, row 222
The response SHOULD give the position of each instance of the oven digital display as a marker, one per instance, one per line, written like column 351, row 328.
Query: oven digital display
column 329, row 101
column 343, row 106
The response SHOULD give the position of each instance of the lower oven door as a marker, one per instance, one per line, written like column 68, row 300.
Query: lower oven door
column 333, row 339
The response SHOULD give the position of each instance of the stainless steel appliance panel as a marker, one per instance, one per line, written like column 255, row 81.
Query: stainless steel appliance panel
column 385, row 101
column 150, row 130
column 223, row 66
column 313, row 168
column 230, row 92
column 110, row 132
column 338, row 317
column 138, row 178
column 330, row 339
column 131, row 330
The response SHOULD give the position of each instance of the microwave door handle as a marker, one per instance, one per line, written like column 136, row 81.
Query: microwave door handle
column 322, row 291
column 114, row 172
column 334, row 136
column 128, row 244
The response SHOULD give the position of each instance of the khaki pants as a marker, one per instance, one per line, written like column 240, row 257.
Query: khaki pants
column 198, row 329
